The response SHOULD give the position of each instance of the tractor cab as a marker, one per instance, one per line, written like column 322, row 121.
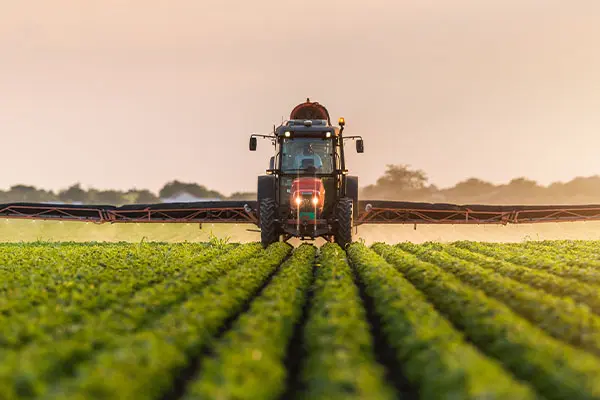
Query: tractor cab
column 307, row 192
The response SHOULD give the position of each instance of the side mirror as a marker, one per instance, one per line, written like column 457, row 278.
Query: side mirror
column 252, row 144
column 360, row 146
column 272, row 163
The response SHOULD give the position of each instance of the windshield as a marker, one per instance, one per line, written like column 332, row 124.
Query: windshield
column 307, row 155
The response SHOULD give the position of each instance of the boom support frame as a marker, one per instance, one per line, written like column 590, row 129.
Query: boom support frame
column 370, row 212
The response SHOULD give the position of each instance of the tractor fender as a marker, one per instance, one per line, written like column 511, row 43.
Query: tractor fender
column 266, row 188
column 352, row 193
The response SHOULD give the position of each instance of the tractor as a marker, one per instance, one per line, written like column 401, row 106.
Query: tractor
column 307, row 192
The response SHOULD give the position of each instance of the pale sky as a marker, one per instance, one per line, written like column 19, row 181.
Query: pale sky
column 132, row 93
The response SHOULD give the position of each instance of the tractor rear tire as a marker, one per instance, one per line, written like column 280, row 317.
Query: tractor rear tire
column 268, row 228
column 343, row 226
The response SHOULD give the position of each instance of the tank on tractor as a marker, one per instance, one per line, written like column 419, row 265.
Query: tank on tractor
column 307, row 192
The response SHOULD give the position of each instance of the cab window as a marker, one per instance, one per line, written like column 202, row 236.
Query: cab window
column 306, row 155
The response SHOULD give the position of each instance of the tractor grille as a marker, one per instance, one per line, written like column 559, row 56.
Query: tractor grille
column 307, row 202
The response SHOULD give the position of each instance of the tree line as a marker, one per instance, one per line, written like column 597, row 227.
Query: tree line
column 399, row 182
column 75, row 194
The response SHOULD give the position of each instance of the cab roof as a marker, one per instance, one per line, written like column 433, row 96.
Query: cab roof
column 306, row 127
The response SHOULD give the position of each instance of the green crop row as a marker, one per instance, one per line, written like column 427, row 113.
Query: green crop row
column 122, row 300
column 236, row 321
column 144, row 364
column 248, row 362
column 340, row 361
column 557, row 285
column 436, row 358
column 91, row 290
column 28, row 370
column 34, row 276
column 535, row 260
column 554, row 368
column 582, row 255
column 82, row 277
column 562, row 318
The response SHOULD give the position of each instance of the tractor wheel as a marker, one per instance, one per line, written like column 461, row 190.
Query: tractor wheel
column 343, row 228
column 268, row 229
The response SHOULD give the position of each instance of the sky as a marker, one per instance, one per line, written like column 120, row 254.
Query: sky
column 132, row 93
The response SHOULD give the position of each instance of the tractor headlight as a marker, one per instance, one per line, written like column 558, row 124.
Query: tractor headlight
column 315, row 200
column 298, row 200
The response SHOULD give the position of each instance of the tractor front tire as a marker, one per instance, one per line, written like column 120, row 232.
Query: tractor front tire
column 268, row 228
column 343, row 228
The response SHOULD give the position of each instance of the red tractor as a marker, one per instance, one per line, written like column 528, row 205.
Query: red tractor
column 307, row 192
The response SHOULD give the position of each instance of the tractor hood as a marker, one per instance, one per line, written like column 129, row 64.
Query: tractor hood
column 307, row 192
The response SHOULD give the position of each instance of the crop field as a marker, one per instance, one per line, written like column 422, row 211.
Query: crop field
column 220, row 320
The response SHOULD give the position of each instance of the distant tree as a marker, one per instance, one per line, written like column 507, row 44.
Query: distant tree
column 400, row 182
column 578, row 190
column 473, row 186
column 144, row 196
column 403, row 178
column 112, row 197
column 521, row 190
column 73, row 194
column 523, row 184
column 470, row 190
column 30, row 194
column 584, row 185
column 175, row 187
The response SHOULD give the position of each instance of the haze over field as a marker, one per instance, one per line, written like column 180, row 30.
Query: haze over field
column 117, row 94
column 52, row 231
